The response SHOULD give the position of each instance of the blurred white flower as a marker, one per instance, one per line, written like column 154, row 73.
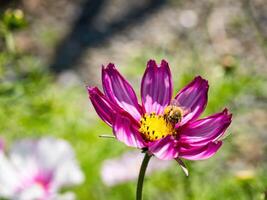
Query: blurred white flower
column 38, row 169
column 188, row 18
column 126, row 168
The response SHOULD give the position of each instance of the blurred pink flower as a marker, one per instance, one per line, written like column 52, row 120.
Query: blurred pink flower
column 168, row 129
column 126, row 168
column 2, row 144
column 38, row 169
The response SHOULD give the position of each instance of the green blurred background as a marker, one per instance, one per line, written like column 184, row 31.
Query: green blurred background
column 50, row 50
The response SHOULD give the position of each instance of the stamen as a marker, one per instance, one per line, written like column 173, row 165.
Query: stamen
column 154, row 127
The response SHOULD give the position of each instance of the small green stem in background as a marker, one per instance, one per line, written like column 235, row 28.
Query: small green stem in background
column 141, row 176
column 107, row 136
column 10, row 43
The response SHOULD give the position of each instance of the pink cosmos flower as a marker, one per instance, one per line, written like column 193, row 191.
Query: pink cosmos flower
column 38, row 169
column 166, row 128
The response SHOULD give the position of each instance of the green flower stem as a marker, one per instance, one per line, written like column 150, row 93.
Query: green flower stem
column 141, row 176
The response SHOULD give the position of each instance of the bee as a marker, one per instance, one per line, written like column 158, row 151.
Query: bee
column 174, row 113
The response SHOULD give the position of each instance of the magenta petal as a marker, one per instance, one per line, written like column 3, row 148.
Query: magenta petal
column 165, row 149
column 201, row 152
column 119, row 91
column 206, row 130
column 105, row 109
column 126, row 130
column 193, row 98
column 156, row 87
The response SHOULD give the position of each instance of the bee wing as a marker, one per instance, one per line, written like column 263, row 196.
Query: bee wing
column 174, row 102
column 186, row 110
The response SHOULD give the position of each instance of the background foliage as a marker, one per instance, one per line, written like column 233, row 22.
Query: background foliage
column 40, row 95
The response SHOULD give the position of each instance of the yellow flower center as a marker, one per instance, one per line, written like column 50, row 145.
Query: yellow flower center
column 154, row 127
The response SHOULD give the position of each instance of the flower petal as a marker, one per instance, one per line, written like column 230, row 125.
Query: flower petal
column 119, row 91
column 165, row 149
column 193, row 98
column 8, row 177
column 60, row 161
column 206, row 130
column 56, row 167
column 126, row 130
column 201, row 152
column 156, row 87
column 104, row 108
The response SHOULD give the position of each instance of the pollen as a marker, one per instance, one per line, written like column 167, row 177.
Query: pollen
column 154, row 127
